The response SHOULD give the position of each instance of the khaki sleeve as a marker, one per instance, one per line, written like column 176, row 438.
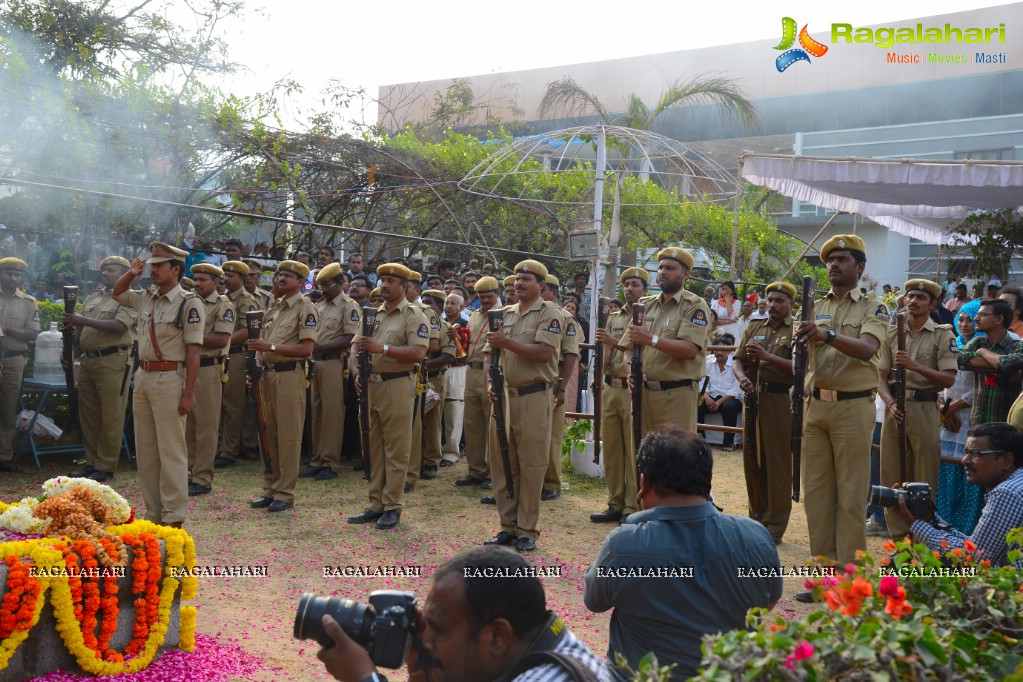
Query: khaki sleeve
column 886, row 353
column 131, row 298
column 434, row 323
column 570, row 344
column 224, row 324
column 193, row 319
column 695, row 324
column 550, row 327
column 417, row 328
column 948, row 352
column 308, row 321
column 351, row 318
column 876, row 322
column 740, row 352
column 127, row 316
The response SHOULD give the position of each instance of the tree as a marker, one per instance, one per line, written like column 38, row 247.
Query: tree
column 994, row 238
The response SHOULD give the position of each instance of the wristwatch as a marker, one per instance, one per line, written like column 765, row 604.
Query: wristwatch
column 830, row 336
column 374, row 677
column 386, row 348
column 273, row 347
column 653, row 340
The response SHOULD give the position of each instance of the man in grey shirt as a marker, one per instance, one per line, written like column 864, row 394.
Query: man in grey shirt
column 679, row 569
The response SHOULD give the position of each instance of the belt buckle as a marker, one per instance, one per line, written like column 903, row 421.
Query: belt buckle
column 654, row 385
column 827, row 395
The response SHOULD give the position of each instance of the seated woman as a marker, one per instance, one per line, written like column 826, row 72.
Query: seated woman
column 722, row 393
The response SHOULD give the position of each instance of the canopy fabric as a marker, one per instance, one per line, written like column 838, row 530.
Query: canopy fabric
column 920, row 199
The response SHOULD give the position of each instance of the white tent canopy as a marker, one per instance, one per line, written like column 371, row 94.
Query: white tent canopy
column 920, row 199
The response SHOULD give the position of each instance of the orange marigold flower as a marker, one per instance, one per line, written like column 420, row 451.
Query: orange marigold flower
column 886, row 560
column 889, row 546
column 863, row 588
column 970, row 546
column 944, row 543
column 957, row 552
column 985, row 563
column 898, row 608
column 775, row 627
column 937, row 554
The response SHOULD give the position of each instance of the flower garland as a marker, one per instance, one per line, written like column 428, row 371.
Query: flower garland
column 119, row 506
column 43, row 557
column 19, row 600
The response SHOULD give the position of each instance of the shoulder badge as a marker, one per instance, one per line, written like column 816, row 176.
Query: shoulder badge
column 882, row 312
column 434, row 322
column 699, row 318
column 354, row 317
column 555, row 327
column 952, row 345
column 570, row 329
column 193, row 316
column 824, row 316
column 229, row 315
column 423, row 332
column 310, row 320
column 35, row 315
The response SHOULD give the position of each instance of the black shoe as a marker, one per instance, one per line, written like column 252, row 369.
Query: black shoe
column 358, row 466
column 279, row 506
column 428, row 474
column 409, row 488
column 625, row 517
column 488, row 500
column 223, row 463
column 469, row 480
column 261, row 502
column 548, row 495
column 311, row 471
column 502, row 538
column 100, row 476
column 389, row 519
column 368, row 516
column 82, row 473
column 608, row 516
column 777, row 540
column 804, row 597
column 525, row 545
column 8, row 467
column 487, row 484
column 325, row 474
column 196, row 489
column 446, row 463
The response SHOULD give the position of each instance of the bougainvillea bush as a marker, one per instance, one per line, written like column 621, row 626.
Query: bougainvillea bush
column 920, row 615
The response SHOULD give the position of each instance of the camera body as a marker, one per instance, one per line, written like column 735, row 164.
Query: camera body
column 386, row 631
column 917, row 495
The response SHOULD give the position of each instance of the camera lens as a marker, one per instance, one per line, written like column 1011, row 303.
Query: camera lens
column 881, row 496
column 354, row 618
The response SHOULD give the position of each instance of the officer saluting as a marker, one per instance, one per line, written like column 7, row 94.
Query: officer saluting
column 398, row 345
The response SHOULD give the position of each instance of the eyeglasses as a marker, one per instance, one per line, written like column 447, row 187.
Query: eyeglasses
column 985, row 314
column 974, row 454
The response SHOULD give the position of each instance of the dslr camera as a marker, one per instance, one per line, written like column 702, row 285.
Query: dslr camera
column 917, row 496
column 386, row 631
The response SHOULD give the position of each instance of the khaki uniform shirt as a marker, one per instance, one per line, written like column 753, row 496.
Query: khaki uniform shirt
column 18, row 312
column 339, row 317
column 447, row 346
column 178, row 318
column 433, row 319
column 263, row 298
column 570, row 339
column 683, row 316
column 774, row 341
column 478, row 328
column 243, row 303
column 289, row 320
column 540, row 323
column 220, row 319
column 855, row 314
column 404, row 326
column 933, row 346
column 618, row 326
column 100, row 305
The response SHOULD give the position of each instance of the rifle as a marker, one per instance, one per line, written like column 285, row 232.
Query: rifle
column 899, row 389
column 496, row 320
column 800, row 358
column 603, row 308
column 254, row 322
column 636, row 374
column 68, row 333
column 129, row 368
column 369, row 319
column 750, row 445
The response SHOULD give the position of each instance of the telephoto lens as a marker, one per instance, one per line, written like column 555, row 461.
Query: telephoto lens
column 354, row 618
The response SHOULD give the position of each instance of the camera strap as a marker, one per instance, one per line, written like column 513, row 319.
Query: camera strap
column 541, row 652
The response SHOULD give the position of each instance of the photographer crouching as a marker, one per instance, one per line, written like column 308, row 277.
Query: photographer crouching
column 993, row 459
column 485, row 619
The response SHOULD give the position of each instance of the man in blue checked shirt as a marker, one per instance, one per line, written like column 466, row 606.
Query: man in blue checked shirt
column 993, row 458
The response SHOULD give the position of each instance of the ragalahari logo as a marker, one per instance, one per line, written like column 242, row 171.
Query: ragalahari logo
column 788, row 37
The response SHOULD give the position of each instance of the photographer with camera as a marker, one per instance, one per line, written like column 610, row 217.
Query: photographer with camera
column 485, row 619
column 993, row 459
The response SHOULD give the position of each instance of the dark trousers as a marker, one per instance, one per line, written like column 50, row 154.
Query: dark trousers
column 729, row 412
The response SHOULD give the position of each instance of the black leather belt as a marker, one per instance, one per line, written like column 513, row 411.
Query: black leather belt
column 923, row 396
column 773, row 387
column 387, row 376
column 528, row 389
column 14, row 353
column 475, row 365
column 208, row 362
column 832, row 396
column 434, row 375
column 320, row 357
column 110, row 350
column 667, row 385
column 283, row 366
column 616, row 383
column 236, row 349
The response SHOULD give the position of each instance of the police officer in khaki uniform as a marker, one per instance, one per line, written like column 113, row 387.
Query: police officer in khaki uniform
column 235, row 406
column 203, row 423
column 568, row 362
column 105, row 332
column 510, row 297
column 674, row 337
column 616, row 406
column 289, row 332
column 412, row 290
column 19, row 323
column 398, row 344
column 768, row 343
column 340, row 319
column 478, row 410
column 436, row 366
column 251, row 283
column 529, row 346
column 930, row 360
column 170, row 327
column 838, row 424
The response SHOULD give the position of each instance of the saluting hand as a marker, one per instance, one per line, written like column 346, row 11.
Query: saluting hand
column 137, row 266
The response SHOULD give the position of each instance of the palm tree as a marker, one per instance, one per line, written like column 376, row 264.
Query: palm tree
column 567, row 98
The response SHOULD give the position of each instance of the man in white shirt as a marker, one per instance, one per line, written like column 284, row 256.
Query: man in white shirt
column 722, row 393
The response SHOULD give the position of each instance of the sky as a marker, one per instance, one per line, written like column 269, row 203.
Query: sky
column 370, row 44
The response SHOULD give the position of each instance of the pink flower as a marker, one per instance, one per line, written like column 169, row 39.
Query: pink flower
column 810, row 584
column 850, row 568
column 829, row 581
column 802, row 650
column 889, row 586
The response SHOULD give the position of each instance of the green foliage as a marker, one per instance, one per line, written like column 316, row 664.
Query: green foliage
column 907, row 625
column 648, row 669
column 575, row 436
column 993, row 237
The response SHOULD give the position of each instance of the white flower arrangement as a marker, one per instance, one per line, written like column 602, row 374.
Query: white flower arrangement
column 117, row 504
column 18, row 517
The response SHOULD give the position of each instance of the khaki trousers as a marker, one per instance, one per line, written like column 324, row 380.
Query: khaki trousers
column 432, row 425
column 160, row 450
column 202, row 425
column 284, row 409
column 528, row 448
column 619, row 456
column 234, row 407
column 328, row 406
column 390, row 422
column 101, row 405
column 836, row 475
column 476, row 424
column 774, row 439
column 415, row 458
column 674, row 406
column 10, row 398
column 923, row 453
column 454, row 411
column 552, row 478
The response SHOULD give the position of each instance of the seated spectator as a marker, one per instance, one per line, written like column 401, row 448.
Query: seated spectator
column 708, row 555
column 993, row 459
column 722, row 393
